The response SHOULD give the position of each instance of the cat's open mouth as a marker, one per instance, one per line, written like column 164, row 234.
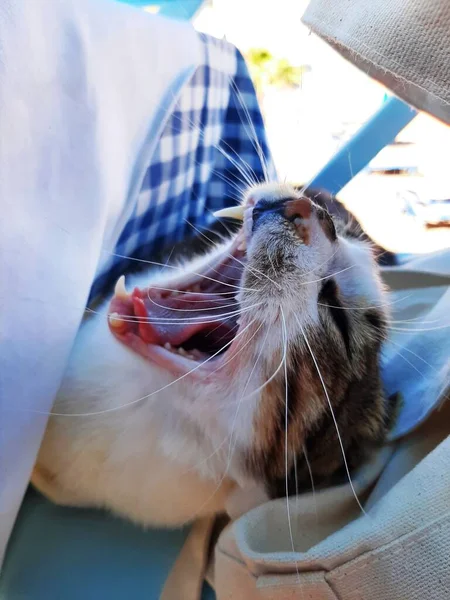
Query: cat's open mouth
column 187, row 327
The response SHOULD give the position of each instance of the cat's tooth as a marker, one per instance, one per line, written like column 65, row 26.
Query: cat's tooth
column 119, row 289
column 182, row 351
column 232, row 212
column 191, row 356
column 242, row 246
column 168, row 346
column 115, row 320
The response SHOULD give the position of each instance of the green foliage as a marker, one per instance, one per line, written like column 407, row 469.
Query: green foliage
column 266, row 69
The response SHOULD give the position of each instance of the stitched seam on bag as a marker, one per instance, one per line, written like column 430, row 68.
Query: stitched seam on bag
column 349, row 38
column 239, row 564
column 284, row 584
column 370, row 559
column 235, row 559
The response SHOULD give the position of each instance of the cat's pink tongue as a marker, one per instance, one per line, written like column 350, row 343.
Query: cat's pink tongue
column 175, row 319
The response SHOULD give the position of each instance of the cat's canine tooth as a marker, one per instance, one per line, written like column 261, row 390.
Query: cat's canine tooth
column 232, row 212
column 119, row 289
column 242, row 246
column 168, row 346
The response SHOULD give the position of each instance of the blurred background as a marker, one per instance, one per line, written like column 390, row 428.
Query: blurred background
column 313, row 101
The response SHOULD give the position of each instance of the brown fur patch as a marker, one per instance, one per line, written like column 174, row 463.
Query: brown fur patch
column 349, row 364
column 300, row 207
column 304, row 233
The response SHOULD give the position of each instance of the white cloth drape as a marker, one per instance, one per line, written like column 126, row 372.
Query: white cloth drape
column 84, row 88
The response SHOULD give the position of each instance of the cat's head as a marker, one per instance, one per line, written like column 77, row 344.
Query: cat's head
column 270, row 344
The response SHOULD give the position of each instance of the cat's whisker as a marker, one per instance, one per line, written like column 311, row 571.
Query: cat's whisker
column 248, row 176
column 328, row 276
column 389, row 341
column 158, row 264
column 252, row 269
column 223, row 224
column 228, row 277
column 230, row 435
column 231, row 293
column 185, row 310
column 147, row 396
column 412, row 365
column 271, row 263
column 418, row 329
column 231, row 448
column 238, row 189
column 204, row 301
column 253, row 138
column 217, row 449
column 240, row 168
column 266, row 383
column 313, row 487
column 224, row 153
column 332, row 414
column 239, row 186
column 211, row 331
column 252, row 174
column 286, row 438
column 297, row 491
column 244, row 163
column 238, row 183
column 366, row 307
column 414, row 321
column 325, row 262
column 209, row 240
column 193, row 319
column 277, row 285
column 283, row 362
column 187, row 320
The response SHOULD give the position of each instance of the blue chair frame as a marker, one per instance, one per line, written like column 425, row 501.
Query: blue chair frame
column 380, row 131
column 176, row 9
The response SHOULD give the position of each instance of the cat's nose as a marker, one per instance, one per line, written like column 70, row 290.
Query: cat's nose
column 299, row 209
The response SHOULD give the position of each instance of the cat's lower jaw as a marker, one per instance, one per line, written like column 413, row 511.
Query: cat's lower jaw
column 123, row 455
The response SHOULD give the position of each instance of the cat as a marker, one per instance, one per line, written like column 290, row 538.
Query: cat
column 257, row 363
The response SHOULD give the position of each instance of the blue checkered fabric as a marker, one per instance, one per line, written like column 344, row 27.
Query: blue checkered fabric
column 197, row 167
